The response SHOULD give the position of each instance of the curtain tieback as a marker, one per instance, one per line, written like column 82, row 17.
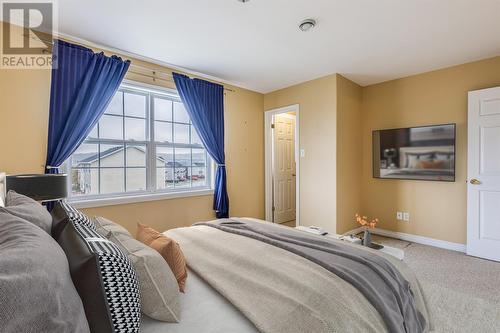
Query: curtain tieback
column 221, row 165
column 48, row 167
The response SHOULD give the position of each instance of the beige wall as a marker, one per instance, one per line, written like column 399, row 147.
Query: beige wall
column 24, row 104
column 24, row 100
column 349, row 153
column 336, row 122
column 437, row 209
column 317, row 135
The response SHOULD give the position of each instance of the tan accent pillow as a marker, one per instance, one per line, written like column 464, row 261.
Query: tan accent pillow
column 157, row 284
column 169, row 250
column 432, row 164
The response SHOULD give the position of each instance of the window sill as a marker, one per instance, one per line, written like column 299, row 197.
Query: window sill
column 128, row 199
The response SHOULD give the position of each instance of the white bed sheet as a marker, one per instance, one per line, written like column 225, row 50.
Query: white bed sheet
column 203, row 310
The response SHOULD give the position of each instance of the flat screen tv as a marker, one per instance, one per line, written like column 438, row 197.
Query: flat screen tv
column 419, row 153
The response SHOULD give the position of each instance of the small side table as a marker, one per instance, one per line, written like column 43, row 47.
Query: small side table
column 393, row 251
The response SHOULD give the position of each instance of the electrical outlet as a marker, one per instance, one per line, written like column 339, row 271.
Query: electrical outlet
column 399, row 216
column 406, row 217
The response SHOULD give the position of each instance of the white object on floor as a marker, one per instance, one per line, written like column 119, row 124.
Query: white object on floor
column 483, row 168
column 315, row 230
column 393, row 251
column 351, row 239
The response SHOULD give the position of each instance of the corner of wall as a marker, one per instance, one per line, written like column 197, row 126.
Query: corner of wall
column 318, row 127
column 349, row 153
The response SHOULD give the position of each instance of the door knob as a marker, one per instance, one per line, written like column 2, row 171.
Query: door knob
column 475, row 181
column 293, row 175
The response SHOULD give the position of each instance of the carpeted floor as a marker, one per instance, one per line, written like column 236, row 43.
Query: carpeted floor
column 289, row 223
column 463, row 292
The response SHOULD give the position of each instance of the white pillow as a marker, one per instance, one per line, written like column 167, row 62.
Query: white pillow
column 160, row 298
column 448, row 159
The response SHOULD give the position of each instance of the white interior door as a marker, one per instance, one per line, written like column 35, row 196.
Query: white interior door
column 483, row 189
column 284, row 168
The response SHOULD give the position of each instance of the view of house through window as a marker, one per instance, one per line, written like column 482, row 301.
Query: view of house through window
column 144, row 142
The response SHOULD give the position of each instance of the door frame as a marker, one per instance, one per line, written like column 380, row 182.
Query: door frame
column 268, row 141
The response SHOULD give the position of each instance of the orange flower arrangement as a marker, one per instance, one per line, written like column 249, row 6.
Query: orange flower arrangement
column 363, row 220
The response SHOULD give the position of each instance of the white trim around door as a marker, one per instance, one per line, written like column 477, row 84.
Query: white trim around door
column 268, row 141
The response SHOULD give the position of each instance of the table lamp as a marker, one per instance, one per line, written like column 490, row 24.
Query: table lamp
column 39, row 187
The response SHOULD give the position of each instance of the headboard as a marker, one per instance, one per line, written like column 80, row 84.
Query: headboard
column 404, row 151
column 2, row 189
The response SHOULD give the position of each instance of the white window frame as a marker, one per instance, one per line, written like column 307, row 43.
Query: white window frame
column 151, row 193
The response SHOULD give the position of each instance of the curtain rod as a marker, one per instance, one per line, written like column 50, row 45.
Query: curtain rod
column 169, row 77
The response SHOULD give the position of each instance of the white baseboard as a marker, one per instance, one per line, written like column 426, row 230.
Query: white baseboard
column 415, row 239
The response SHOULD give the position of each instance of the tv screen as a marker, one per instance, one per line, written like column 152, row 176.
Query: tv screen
column 420, row 153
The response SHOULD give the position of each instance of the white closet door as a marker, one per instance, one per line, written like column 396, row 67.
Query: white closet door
column 483, row 189
column 284, row 168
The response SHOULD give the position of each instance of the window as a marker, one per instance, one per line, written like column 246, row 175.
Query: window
column 144, row 143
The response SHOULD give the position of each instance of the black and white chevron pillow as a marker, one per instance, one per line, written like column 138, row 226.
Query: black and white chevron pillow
column 76, row 216
column 102, row 274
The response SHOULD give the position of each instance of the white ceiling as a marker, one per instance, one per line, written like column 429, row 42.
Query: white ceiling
column 257, row 45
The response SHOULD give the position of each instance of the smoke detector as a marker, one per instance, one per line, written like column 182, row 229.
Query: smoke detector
column 307, row 24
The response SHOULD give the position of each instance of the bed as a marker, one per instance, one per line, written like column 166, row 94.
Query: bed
column 248, row 275
column 241, row 283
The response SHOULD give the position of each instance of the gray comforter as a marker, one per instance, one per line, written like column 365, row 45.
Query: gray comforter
column 376, row 278
column 282, row 292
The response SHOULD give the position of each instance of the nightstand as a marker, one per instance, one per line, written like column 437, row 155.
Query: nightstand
column 393, row 251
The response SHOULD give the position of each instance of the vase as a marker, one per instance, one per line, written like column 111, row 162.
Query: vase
column 367, row 238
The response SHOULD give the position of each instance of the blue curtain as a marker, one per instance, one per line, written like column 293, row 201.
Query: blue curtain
column 83, row 84
column 204, row 103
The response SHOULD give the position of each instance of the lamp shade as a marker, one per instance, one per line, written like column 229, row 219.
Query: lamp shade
column 38, row 186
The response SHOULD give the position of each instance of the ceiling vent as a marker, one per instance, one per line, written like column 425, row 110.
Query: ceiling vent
column 307, row 25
